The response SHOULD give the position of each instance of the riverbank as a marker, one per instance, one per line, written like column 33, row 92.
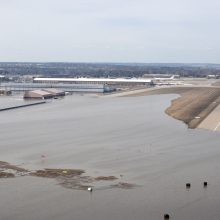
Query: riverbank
column 193, row 105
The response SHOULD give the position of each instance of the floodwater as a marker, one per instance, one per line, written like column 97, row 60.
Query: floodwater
column 11, row 101
column 132, row 137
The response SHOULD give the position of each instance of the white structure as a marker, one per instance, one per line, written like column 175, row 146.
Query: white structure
column 108, row 81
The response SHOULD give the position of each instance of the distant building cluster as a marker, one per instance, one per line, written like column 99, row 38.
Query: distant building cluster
column 212, row 76
column 5, row 92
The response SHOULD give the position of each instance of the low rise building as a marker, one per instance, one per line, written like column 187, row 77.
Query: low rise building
column 37, row 94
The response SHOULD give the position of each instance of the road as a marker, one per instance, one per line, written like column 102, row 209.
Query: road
column 212, row 122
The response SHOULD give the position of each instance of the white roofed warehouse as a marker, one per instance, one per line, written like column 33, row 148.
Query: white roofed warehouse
column 106, row 81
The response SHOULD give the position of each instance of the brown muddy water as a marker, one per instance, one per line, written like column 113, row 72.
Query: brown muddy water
column 130, row 138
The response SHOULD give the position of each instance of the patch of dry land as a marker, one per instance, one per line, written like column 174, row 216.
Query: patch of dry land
column 193, row 105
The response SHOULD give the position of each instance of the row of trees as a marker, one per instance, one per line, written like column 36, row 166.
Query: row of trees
column 105, row 70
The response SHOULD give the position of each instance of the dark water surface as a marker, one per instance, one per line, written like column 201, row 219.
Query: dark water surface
column 109, row 136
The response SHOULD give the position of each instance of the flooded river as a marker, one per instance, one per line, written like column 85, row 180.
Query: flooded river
column 130, row 138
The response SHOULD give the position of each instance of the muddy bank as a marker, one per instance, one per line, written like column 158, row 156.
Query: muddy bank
column 6, row 175
column 193, row 105
column 159, row 91
column 9, row 171
column 53, row 173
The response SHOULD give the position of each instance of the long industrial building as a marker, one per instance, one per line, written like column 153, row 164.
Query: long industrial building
column 94, row 85
column 106, row 81
column 67, row 87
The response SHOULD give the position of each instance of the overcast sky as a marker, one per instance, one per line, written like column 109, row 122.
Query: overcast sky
column 110, row 30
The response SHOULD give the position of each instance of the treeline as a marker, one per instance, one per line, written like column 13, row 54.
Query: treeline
column 106, row 70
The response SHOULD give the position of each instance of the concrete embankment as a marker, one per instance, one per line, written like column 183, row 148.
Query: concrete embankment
column 22, row 106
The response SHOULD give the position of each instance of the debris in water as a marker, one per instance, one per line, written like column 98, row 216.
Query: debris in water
column 188, row 185
column 8, row 166
column 124, row 185
column 166, row 216
column 53, row 173
column 106, row 178
column 68, row 178
column 89, row 189
column 6, row 175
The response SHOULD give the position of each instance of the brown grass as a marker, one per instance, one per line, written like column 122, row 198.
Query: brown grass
column 194, row 105
column 159, row 91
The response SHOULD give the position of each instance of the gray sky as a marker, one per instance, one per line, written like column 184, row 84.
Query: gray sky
column 110, row 30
